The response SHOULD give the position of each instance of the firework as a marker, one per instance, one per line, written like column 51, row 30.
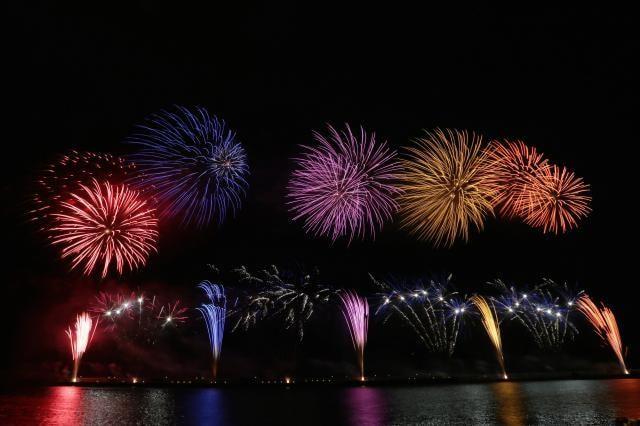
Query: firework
column 492, row 327
column 292, row 297
column 447, row 187
column 103, row 224
column 556, row 200
column 80, row 337
column 214, row 314
column 192, row 163
column 512, row 164
column 544, row 315
column 71, row 170
column 355, row 310
column 344, row 186
column 136, row 317
column 605, row 325
column 431, row 311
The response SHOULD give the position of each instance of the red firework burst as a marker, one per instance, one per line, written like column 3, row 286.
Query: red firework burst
column 556, row 199
column 101, row 224
column 513, row 164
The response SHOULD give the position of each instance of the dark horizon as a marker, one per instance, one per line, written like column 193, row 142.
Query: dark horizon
column 82, row 77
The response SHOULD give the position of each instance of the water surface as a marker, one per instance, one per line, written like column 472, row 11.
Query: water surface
column 545, row 402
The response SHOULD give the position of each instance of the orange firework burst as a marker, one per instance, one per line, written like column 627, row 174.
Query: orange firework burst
column 605, row 325
column 556, row 199
column 513, row 164
column 447, row 188
column 103, row 224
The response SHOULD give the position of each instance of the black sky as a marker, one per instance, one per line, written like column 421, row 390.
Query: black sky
column 81, row 76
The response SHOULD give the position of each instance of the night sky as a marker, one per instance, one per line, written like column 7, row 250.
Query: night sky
column 82, row 76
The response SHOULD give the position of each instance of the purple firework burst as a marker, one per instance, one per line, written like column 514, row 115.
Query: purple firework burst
column 344, row 186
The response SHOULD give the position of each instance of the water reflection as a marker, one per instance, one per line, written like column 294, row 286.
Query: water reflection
column 620, row 391
column 365, row 406
column 510, row 403
column 63, row 406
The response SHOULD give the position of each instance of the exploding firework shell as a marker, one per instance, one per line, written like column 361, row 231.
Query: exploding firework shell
column 71, row 170
column 344, row 186
column 447, row 186
column 556, row 200
column 192, row 164
column 512, row 165
column 104, row 224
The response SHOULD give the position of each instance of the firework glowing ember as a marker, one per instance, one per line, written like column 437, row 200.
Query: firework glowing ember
column 72, row 170
column 432, row 312
column 80, row 338
column 214, row 314
column 355, row 310
column 605, row 325
column 102, row 224
column 447, row 187
column 513, row 165
column 556, row 200
column 293, row 297
column 492, row 327
column 543, row 313
column 344, row 186
column 193, row 165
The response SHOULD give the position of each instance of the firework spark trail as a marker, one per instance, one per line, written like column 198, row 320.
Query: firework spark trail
column 345, row 185
column 293, row 297
column 214, row 314
column 192, row 163
column 512, row 165
column 556, row 200
column 105, row 224
column 80, row 337
column 433, row 313
column 605, row 325
column 543, row 314
column 355, row 310
column 446, row 187
column 492, row 327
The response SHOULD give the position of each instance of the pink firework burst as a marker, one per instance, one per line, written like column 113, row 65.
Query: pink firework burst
column 101, row 224
column 344, row 186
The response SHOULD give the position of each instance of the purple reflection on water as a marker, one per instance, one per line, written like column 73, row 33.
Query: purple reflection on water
column 365, row 406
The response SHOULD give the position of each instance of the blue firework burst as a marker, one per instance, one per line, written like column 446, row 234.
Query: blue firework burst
column 192, row 164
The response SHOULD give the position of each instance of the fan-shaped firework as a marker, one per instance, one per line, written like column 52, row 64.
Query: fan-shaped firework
column 70, row 171
column 605, row 325
column 193, row 165
column 79, row 338
column 556, row 200
column 344, row 186
column 544, row 315
column 355, row 310
column 214, row 314
column 446, row 186
column 432, row 311
column 512, row 165
column 492, row 327
column 136, row 317
column 293, row 297
column 101, row 224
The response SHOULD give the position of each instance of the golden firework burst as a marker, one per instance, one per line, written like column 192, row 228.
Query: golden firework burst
column 446, row 186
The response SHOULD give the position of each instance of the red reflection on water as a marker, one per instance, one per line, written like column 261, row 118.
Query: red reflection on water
column 511, row 410
column 622, row 392
column 366, row 406
column 63, row 406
